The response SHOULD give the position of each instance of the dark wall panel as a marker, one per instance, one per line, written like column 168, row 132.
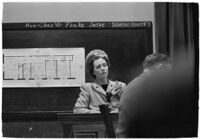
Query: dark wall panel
column 32, row 129
column 126, row 48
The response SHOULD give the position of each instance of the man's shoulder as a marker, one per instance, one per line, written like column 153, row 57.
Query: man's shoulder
column 140, row 79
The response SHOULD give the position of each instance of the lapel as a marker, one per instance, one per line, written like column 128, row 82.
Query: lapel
column 110, row 86
column 99, row 89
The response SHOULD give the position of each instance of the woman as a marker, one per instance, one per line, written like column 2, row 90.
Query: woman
column 94, row 94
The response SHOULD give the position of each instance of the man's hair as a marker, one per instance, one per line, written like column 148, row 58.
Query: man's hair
column 155, row 58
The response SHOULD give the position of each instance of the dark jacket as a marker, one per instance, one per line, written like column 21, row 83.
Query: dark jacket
column 158, row 105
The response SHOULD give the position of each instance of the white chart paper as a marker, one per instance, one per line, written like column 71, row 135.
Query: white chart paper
column 43, row 67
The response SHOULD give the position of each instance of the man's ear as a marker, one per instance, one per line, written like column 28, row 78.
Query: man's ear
column 159, row 65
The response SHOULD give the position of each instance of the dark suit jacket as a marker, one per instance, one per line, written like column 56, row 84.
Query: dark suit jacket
column 158, row 105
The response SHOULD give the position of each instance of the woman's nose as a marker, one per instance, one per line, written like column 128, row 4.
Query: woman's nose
column 103, row 68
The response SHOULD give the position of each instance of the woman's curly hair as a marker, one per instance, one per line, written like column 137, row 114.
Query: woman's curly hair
column 94, row 55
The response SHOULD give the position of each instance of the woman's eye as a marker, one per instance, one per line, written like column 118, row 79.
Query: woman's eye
column 105, row 65
column 98, row 67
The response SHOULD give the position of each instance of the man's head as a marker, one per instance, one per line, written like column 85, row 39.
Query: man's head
column 157, row 61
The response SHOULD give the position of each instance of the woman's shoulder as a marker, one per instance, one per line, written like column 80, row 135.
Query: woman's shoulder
column 90, row 85
column 86, row 85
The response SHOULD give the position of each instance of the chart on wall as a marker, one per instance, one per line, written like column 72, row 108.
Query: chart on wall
column 43, row 67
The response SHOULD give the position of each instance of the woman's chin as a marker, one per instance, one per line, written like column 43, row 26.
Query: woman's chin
column 104, row 76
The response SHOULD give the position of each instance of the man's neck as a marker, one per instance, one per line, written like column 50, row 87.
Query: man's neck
column 147, row 70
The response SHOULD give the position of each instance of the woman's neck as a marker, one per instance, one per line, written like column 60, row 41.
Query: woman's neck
column 102, row 81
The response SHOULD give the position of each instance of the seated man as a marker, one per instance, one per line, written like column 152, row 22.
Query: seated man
column 159, row 103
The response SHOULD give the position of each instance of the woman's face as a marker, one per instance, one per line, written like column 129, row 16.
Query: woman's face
column 100, row 68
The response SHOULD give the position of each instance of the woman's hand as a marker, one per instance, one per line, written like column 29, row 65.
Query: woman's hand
column 117, row 88
column 114, row 111
column 94, row 111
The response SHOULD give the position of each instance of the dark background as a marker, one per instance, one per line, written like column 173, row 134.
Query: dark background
column 126, row 49
column 32, row 112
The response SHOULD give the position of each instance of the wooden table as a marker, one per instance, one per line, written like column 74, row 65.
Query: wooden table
column 84, row 125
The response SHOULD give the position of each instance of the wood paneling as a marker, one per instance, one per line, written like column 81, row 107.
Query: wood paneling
column 85, row 125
